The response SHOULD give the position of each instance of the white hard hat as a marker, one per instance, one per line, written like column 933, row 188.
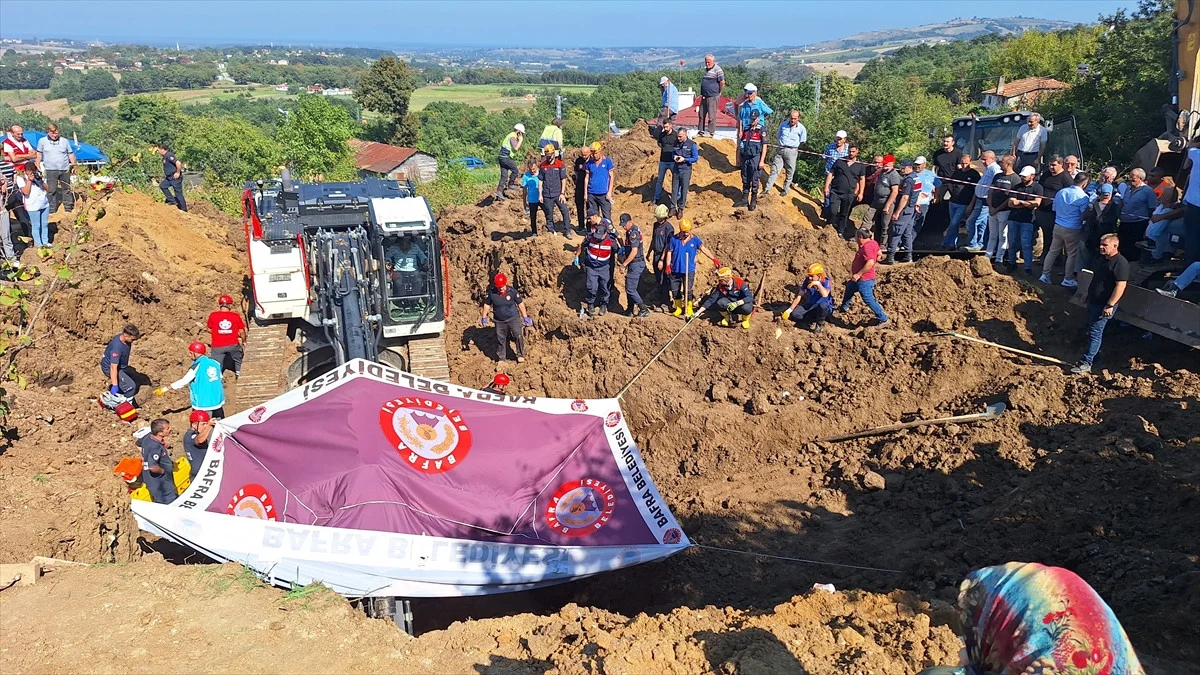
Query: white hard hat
column 919, row 160
column 520, row 128
column 664, row 80
column 750, row 87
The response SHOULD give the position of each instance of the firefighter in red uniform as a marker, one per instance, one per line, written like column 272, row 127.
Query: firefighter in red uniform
column 732, row 297
column 597, row 262
column 228, row 335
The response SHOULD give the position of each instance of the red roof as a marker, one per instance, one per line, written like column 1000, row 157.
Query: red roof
column 379, row 157
column 1028, row 85
column 690, row 117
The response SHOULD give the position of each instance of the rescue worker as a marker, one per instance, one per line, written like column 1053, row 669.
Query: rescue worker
column 552, row 135
column 509, row 152
column 553, row 173
column 115, row 362
column 687, row 153
column 680, row 265
column 227, row 335
column 407, row 265
column 732, row 297
column 157, row 467
column 580, row 167
column 499, row 384
column 634, row 264
column 206, row 387
column 511, row 317
column 597, row 253
column 753, row 159
column 195, row 439
column 660, row 241
column 815, row 304
column 599, row 181
column 904, row 216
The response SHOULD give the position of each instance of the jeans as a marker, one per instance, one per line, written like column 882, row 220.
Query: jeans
column 39, row 227
column 597, row 280
column 1064, row 238
column 548, row 206
column 534, row 209
column 508, row 174
column 6, row 235
column 1095, row 330
column 1160, row 233
column 840, row 207
column 681, row 180
column 58, row 189
column 633, row 275
column 866, row 288
column 957, row 213
column 977, row 223
column 785, row 159
column 1020, row 234
column 169, row 185
column 664, row 279
column 1189, row 275
column 817, row 313
column 1191, row 233
column 580, row 206
column 599, row 204
column 514, row 327
column 997, row 234
column 663, row 167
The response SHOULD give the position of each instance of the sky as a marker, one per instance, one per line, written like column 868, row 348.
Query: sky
column 610, row 23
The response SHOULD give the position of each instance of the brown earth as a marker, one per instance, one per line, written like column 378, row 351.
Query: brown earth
column 1098, row 474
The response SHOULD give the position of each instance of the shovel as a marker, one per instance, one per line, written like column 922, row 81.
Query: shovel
column 993, row 411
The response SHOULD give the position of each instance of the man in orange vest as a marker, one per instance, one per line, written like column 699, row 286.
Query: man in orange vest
column 732, row 297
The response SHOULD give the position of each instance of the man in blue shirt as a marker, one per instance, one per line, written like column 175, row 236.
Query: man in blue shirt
column 115, row 362
column 172, row 177
column 1137, row 206
column 598, row 182
column 670, row 100
column 157, row 466
column 929, row 181
column 977, row 219
column 204, row 382
column 744, row 106
column 791, row 137
column 687, row 153
column 1069, row 205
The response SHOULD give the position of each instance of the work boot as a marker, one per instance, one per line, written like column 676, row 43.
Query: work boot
column 643, row 312
column 678, row 308
column 745, row 199
column 601, row 310
column 890, row 260
column 591, row 311
column 753, row 199
column 689, row 312
column 818, row 327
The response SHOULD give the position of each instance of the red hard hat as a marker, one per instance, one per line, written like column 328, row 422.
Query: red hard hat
column 501, row 380
column 225, row 300
column 200, row 416
column 198, row 348
column 500, row 280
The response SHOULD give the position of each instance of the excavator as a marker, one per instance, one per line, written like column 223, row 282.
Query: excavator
column 354, row 269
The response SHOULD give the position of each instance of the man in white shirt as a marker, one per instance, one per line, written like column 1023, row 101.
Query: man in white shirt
column 1191, row 204
column 1030, row 144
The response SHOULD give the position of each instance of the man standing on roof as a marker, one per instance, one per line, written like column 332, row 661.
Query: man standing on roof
column 115, row 362
column 904, row 215
column 1030, row 143
column 711, row 84
column 597, row 252
column 599, row 182
column 553, row 173
column 552, row 135
column 511, row 318
column 580, row 182
column 687, row 153
column 680, row 264
column 754, row 159
column 204, row 382
column 499, row 384
column 57, row 161
column 227, row 335
column 157, row 467
column 791, row 137
column 732, row 297
column 195, row 440
column 844, row 188
column 862, row 276
column 660, row 243
column 172, row 181
column 887, row 186
column 667, row 141
column 744, row 107
column 510, row 151
column 633, row 262
column 670, row 100
column 815, row 302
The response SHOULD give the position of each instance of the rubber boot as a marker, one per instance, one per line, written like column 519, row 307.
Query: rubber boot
column 690, row 312
column 753, row 199
column 746, row 322
column 678, row 308
column 725, row 319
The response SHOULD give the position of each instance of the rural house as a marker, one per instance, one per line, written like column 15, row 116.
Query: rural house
column 689, row 116
column 1022, row 93
column 392, row 161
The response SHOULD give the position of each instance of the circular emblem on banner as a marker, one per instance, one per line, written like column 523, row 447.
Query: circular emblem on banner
column 612, row 419
column 580, row 507
column 256, row 415
column 217, row 445
column 430, row 437
column 252, row 501
column 672, row 536
column 578, row 405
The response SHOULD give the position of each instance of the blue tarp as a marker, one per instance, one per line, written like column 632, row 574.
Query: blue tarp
column 84, row 153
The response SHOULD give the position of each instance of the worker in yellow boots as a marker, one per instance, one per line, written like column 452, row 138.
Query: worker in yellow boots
column 815, row 302
column 732, row 297
column 680, row 264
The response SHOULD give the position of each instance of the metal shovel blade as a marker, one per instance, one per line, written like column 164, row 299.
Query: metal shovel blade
column 995, row 409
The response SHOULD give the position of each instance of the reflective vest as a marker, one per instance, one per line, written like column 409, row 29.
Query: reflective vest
column 599, row 250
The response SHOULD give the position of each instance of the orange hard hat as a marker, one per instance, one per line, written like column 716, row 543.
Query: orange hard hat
column 685, row 225
column 501, row 380
column 129, row 469
column 500, row 280
column 225, row 300
column 198, row 348
column 199, row 416
column 816, row 269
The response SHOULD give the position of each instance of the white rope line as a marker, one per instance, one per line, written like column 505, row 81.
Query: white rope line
column 655, row 357
column 799, row 560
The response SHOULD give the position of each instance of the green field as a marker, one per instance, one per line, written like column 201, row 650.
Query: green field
column 487, row 95
column 16, row 97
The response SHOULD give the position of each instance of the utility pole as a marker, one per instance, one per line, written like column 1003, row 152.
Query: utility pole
column 817, row 95
column 558, row 101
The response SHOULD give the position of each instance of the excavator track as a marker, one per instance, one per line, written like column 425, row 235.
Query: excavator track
column 268, row 353
column 427, row 358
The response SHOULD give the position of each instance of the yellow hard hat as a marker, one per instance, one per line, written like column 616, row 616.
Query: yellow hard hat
column 816, row 269
column 596, row 147
column 660, row 211
column 725, row 273
column 685, row 225
column 549, row 149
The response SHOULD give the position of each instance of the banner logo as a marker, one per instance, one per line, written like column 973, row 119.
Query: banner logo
column 578, row 405
column 256, row 415
column 612, row 419
column 218, row 445
column 252, row 501
column 580, row 507
column 672, row 536
column 430, row 437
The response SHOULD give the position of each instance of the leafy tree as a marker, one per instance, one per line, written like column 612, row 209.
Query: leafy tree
column 97, row 84
column 314, row 139
column 386, row 88
column 1054, row 54
column 229, row 151
column 25, row 77
column 67, row 85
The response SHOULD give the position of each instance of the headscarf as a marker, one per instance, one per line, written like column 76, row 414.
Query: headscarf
column 1030, row 619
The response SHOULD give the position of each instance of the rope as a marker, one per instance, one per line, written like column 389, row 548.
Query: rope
column 799, row 560
column 660, row 353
